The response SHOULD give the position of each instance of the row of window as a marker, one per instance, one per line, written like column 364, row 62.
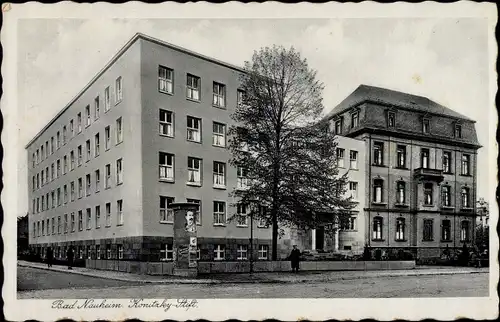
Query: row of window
column 353, row 158
column 68, row 161
column 391, row 123
column 166, row 81
column 428, row 230
column 195, row 175
column 54, row 198
column 41, row 153
column 64, row 225
column 401, row 161
column 401, row 195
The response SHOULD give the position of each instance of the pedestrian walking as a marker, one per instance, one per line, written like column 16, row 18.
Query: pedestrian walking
column 295, row 258
column 70, row 255
column 50, row 257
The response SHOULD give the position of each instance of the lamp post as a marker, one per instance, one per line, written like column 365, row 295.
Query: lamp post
column 251, row 241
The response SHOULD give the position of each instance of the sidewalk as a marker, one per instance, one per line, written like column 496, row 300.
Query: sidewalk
column 269, row 277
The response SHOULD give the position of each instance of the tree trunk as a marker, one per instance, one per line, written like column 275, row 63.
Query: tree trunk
column 274, row 236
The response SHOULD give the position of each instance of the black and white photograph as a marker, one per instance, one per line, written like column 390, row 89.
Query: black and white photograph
column 162, row 161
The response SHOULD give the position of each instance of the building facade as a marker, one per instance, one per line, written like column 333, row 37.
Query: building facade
column 148, row 130
column 421, row 174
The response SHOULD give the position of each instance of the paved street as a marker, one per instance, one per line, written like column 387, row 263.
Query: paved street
column 37, row 283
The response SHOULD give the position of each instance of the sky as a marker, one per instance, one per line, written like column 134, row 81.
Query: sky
column 445, row 60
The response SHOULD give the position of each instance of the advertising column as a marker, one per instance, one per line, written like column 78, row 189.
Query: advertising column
column 185, row 241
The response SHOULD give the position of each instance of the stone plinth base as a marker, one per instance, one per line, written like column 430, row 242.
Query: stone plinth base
column 189, row 272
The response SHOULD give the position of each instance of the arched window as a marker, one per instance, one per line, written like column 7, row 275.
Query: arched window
column 401, row 192
column 446, row 196
column 428, row 193
column 378, row 185
column 400, row 229
column 464, row 231
column 377, row 228
column 445, row 230
column 465, row 197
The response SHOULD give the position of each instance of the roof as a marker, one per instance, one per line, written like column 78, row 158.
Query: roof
column 136, row 37
column 421, row 104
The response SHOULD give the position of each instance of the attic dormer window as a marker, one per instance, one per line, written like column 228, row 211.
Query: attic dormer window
column 458, row 131
column 391, row 119
column 354, row 119
column 339, row 125
column 426, row 126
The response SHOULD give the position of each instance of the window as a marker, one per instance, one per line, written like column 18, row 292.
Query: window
column 72, row 191
column 65, row 135
column 165, row 80
column 263, row 251
column 465, row 197
column 241, row 210
column 33, row 160
column 89, row 252
column 97, row 217
column 353, row 190
column 96, row 145
column 400, row 229
column 193, row 129
column 98, row 251
column 446, row 230
column 446, row 196
column 87, row 114
column 65, row 194
column 107, row 137
column 80, row 220
column 401, row 192
column 52, row 174
column 219, row 174
column 108, row 251
column 80, row 187
column 193, row 87
column 340, row 157
column 198, row 212
column 42, row 154
column 72, row 160
column 88, row 148
column 80, row 156
column 219, row 134
column 87, row 185
column 52, row 148
column 79, row 122
column 242, row 252
column 391, row 119
column 43, row 228
column 424, row 158
column 118, row 90
column 348, row 223
column 458, row 131
column 219, row 252
column 89, row 219
column 401, row 156
column 166, row 166
column 167, row 252
column 59, row 199
column 53, row 221
column 166, row 123
column 465, row 164
column 338, row 126
column 219, row 95
column 119, row 212
column 107, row 182
column 58, row 140
column 428, row 194
column 65, row 164
column 353, row 159
column 377, row 228
column 119, row 131
column 219, row 213
column 378, row 152
column 242, row 181
column 428, row 230
column 108, row 214
column 65, row 223
column 425, row 126
column 240, row 97
column 464, row 231
column 119, row 171
column 59, row 225
column 43, row 203
column 194, row 171
column 71, row 128
column 107, row 104
column 96, row 108
column 447, row 162
column 378, row 185
column 166, row 214
column 354, row 119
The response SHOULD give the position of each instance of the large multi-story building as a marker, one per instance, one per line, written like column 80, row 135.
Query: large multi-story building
column 421, row 174
column 149, row 129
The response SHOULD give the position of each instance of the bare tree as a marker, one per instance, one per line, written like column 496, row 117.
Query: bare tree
column 284, row 149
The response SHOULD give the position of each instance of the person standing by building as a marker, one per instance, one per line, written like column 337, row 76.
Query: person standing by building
column 70, row 255
column 50, row 256
column 295, row 258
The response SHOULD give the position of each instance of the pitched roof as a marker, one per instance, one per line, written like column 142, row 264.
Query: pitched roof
column 397, row 99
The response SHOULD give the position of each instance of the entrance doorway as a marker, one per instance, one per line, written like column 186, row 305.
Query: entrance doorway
column 320, row 238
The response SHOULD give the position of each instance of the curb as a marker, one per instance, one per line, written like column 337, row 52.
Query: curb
column 270, row 281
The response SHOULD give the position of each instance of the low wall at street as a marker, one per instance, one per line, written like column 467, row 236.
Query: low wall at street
column 166, row 268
